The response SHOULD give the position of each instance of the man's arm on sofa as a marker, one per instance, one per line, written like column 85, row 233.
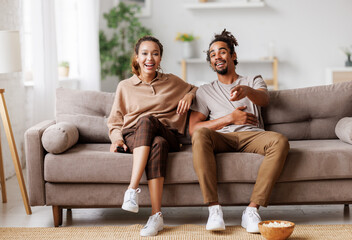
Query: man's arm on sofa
column 35, row 162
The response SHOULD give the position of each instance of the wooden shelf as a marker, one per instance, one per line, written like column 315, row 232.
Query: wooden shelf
column 224, row 5
column 273, row 61
column 338, row 74
column 254, row 60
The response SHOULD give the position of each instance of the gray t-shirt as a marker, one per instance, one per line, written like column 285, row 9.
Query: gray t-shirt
column 213, row 101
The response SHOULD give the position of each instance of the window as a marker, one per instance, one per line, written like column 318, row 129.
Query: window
column 67, row 34
column 66, row 19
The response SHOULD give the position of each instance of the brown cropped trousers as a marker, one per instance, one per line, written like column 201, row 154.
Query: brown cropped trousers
column 149, row 131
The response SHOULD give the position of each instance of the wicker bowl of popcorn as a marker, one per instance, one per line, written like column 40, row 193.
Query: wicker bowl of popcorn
column 276, row 229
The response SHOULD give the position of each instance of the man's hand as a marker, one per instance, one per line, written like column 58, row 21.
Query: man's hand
column 239, row 92
column 119, row 143
column 239, row 117
column 184, row 104
column 258, row 96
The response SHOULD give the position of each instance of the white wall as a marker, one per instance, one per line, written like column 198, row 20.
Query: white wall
column 10, row 19
column 307, row 35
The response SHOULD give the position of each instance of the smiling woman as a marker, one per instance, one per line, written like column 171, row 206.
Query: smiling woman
column 149, row 112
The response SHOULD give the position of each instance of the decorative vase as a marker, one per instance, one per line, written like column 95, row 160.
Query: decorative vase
column 348, row 63
column 188, row 49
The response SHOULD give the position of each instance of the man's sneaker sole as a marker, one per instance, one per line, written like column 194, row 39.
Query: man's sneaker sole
column 216, row 229
column 252, row 230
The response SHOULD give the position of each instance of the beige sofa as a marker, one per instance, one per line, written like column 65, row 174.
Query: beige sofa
column 318, row 169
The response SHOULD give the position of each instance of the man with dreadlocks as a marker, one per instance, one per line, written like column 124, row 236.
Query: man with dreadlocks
column 226, row 117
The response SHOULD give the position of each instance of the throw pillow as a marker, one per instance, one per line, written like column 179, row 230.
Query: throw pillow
column 343, row 129
column 59, row 137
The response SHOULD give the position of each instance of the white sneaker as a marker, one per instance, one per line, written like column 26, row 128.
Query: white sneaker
column 215, row 220
column 154, row 225
column 250, row 220
column 130, row 200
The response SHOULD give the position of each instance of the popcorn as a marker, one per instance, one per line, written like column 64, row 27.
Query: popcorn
column 277, row 224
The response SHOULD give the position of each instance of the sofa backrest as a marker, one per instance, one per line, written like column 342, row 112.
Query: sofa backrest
column 88, row 110
column 308, row 113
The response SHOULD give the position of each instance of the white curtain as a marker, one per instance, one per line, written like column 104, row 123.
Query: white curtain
column 44, row 43
column 44, row 59
column 88, row 44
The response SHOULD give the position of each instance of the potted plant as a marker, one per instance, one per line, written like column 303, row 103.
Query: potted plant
column 116, row 52
column 348, row 52
column 64, row 69
column 188, row 44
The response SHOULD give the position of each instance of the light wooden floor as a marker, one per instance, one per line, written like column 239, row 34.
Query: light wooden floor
column 12, row 214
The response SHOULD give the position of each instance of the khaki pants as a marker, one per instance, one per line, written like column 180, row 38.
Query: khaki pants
column 207, row 142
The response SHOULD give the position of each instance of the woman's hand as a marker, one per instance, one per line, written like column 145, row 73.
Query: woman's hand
column 120, row 143
column 184, row 104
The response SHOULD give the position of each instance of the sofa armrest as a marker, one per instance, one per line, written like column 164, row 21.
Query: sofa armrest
column 35, row 162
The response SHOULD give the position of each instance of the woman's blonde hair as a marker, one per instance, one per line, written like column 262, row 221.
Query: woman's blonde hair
column 134, row 63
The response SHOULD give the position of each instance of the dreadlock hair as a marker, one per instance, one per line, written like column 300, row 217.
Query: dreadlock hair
column 134, row 64
column 229, row 39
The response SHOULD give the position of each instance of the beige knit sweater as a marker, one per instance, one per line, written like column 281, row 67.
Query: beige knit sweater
column 160, row 98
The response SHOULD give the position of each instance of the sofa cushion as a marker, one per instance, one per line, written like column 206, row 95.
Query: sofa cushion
column 93, row 163
column 308, row 113
column 307, row 160
column 88, row 110
column 343, row 130
column 59, row 137
column 317, row 160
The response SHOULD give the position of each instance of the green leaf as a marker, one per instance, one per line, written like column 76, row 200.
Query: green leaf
column 116, row 51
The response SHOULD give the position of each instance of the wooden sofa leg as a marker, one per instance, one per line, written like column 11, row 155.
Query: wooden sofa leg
column 57, row 214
